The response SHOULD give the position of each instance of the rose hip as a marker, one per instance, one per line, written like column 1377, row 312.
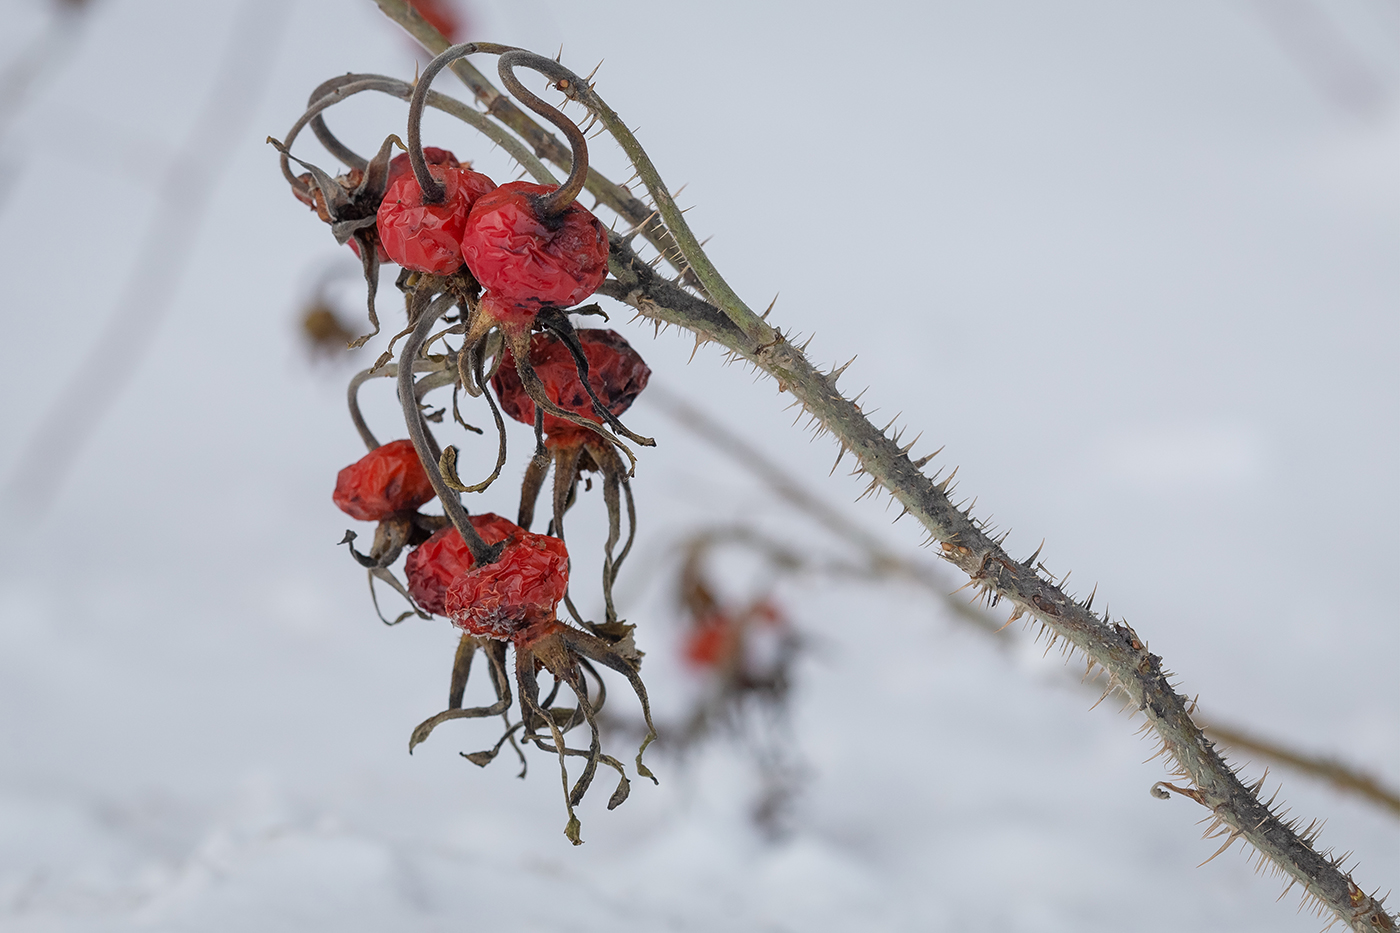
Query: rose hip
column 616, row 372
column 399, row 165
column 522, row 587
column 387, row 480
column 433, row 565
column 426, row 237
column 526, row 262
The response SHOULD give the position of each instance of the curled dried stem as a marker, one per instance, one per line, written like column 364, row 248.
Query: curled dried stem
column 482, row 552
column 558, row 200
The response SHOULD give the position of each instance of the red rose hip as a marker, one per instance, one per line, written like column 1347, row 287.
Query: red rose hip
column 616, row 372
column 385, row 481
column 427, row 237
column 433, row 565
column 400, row 165
column 526, row 262
column 523, row 587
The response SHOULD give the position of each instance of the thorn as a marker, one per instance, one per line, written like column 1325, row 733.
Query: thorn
column 1229, row 841
column 1030, row 561
column 874, row 484
column 839, row 455
column 677, row 193
column 923, row 461
column 836, row 373
column 1016, row 613
column 589, row 80
column 1089, row 603
column 910, row 446
column 699, row 340
column 561, row 52
column 1112, row 685
column 943, row 486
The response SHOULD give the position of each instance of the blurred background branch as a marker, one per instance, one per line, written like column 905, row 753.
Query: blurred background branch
column 88, row 392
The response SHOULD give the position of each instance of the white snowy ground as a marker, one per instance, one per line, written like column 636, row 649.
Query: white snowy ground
column 1134, row 264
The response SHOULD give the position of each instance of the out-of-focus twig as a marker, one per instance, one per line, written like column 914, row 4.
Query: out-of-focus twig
column 182, row 199
column 1339, row 774
column 880, row 560
column 21, row 75
column 1308, row 36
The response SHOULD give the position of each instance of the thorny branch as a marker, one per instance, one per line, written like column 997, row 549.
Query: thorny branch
column 882, row 563
column 1337, row 773
column 1237, row 810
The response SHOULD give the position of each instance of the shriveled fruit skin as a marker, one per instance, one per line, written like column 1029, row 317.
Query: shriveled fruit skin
column 616, row 372
column 398, row 167
column 427, row 237
column 387, row 480
column 433, row 565
column 523, row 587
column 526, row 263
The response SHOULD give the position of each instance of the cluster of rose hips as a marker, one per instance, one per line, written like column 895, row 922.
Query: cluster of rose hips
column 494, row 269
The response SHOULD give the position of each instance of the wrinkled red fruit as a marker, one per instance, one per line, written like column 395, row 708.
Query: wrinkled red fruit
column 616, row 372
column 400, row 166
column 520, row 589
column 527, row 264
column 427, row 237
column 433, row 565
column 386, row 480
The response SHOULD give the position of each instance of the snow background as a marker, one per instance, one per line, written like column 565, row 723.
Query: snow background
column 1134, row 264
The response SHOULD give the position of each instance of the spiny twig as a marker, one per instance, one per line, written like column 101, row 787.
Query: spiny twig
column 1115, row 647
column 883, row 564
